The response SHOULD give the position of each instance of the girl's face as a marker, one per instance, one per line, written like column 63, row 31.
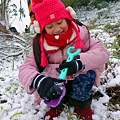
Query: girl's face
column 57, row 27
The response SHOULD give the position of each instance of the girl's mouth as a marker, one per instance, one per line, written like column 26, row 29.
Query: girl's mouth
column 62, row 32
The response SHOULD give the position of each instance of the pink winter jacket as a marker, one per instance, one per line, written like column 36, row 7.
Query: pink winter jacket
column 94, row 56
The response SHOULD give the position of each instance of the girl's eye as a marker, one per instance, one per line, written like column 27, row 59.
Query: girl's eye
column 49, row 27
column 60, row 22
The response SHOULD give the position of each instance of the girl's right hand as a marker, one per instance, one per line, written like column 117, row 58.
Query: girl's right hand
column 47, row 87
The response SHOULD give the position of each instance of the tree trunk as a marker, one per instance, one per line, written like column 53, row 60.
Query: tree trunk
column 3, row 29
column 3, row 17
column 3, row 5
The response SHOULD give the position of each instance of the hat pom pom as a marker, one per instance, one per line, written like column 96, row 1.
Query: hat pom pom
column 36, row 26
column 71, row 11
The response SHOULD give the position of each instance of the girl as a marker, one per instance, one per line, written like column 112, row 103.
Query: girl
column 56, row 31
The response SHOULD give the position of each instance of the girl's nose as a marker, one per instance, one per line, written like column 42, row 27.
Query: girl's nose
column 57, row 30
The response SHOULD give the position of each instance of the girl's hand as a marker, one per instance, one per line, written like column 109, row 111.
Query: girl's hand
column 47, row 87
column 73, row 67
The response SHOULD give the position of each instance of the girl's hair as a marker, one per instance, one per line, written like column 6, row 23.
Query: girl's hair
column 37, row 50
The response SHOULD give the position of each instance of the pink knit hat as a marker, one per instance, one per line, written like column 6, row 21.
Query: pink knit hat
column 47, row 11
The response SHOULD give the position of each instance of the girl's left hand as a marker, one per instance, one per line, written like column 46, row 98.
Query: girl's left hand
column 73, row 67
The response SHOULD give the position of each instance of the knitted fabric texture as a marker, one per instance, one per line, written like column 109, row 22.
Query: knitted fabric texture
column 47, row 11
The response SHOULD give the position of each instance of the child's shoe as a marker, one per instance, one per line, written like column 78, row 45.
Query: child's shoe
column 53, row 112
column 84, row 114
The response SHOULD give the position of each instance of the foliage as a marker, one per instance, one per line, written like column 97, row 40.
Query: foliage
column 21, row 11
column 114, row 93
column 69, row 2
column 12, row 47
column 9, row 10
column 12, row 9
column 88, row 3
column 114, row 30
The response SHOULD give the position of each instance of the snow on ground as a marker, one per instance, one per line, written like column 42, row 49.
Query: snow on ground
column 16, row 104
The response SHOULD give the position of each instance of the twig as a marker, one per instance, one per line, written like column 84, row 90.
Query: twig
column 11, row 55
column 15, row 36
